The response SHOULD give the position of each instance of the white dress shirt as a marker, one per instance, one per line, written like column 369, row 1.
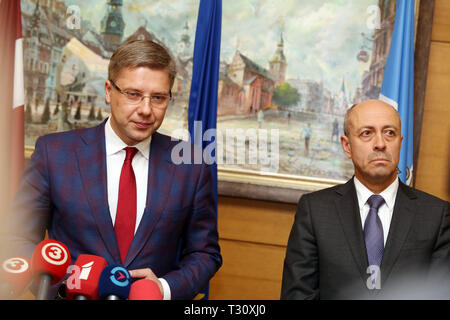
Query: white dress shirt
column 386, row 209
column 115, row 156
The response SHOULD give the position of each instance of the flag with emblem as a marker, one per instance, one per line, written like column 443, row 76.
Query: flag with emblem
column 398, row 82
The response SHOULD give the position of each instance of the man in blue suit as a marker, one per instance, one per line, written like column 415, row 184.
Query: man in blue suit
column 113, row 190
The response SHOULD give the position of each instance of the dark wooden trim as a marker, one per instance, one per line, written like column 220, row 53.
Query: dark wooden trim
column 421, row 56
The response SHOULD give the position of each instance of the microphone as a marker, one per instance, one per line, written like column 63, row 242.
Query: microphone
column 83, row 281
column 145, row 289
column 15, row 276
column 49, row 265
column 114, row 283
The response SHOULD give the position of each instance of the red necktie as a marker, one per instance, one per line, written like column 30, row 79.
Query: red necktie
column 126, row 205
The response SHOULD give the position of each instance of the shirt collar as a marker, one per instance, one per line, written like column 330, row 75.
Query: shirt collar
column 388, row 194
column 114, row 144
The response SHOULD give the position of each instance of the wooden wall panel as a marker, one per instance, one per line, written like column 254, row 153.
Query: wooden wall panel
column 433, row 173
column 441, row 21
column 434, row 153
column 250, row 272
column 255, row 221
column 253, row 238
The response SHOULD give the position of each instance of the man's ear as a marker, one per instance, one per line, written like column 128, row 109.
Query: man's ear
column 108, row 91
column 345, row 142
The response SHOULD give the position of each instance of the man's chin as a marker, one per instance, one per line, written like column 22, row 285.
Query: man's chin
column 381, row 176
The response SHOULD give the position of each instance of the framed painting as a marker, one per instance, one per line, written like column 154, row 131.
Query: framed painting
column 314, row 59
column 289, row 70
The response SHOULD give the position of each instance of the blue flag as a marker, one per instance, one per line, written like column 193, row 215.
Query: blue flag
column 398, row 82
column 202, row 113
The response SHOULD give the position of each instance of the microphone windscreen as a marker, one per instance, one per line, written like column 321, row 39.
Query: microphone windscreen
column 50, row 257
column 145, row 289
column 17, row 273
column 114, row 280
column 83, row 280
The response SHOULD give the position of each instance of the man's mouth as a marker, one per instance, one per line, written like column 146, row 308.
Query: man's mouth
column 142, row 125
column 380, row 160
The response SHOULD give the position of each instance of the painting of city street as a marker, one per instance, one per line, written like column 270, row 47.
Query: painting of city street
column 288, row 69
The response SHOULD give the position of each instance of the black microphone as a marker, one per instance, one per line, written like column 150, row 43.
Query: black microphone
column 114, row 283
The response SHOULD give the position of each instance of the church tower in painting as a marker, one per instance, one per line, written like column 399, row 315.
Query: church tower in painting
column 278, row 63
column 112, row 25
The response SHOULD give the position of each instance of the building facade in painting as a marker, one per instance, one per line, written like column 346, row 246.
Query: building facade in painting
column 244, row 87
column 373, row 79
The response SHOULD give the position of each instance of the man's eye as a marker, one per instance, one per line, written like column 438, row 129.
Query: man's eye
column 133, row 94
column 390, row 132
column 159, row 99
column 365, row 133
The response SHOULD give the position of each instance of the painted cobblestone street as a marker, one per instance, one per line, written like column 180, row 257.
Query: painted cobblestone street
column 324, row 160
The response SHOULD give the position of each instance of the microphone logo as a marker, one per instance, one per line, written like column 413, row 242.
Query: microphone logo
column 120, row 276
column 15, row 265
column 85, row 270
column 54, row 253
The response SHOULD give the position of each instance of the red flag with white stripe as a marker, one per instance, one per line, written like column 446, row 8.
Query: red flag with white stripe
column 12, row 86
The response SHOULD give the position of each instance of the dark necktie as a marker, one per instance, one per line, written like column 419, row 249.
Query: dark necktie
column 126, row 205
column 373, row 231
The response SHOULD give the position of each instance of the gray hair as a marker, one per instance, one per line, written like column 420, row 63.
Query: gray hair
column 346, row 117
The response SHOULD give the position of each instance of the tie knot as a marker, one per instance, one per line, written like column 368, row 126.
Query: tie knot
column 131, row 152
column 375, row 201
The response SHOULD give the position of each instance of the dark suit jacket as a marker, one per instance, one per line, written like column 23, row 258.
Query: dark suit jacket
column 326, row 255
column 64, row 190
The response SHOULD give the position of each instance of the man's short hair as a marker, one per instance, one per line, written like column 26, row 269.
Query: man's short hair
column 346, row 124
column 141, row 53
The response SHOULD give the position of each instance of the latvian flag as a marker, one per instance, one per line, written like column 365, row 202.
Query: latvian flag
column 12, row 89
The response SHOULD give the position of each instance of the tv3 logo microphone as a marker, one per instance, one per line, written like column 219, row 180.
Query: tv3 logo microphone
column 15, row 265
column 54, row 253
column 120, row 277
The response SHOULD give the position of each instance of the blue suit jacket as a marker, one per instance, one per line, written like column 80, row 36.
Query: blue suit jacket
column 64, row 190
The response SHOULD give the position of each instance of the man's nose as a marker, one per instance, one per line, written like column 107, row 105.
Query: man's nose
column 145, row 107
column 380, row 143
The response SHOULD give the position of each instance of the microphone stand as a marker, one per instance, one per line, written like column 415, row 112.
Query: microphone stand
column 44, row 285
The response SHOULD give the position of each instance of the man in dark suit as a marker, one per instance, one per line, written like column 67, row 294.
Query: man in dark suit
column 114, row 191
column 372, row 237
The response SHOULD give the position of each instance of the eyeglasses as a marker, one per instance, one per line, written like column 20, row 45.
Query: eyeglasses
column 135, row 97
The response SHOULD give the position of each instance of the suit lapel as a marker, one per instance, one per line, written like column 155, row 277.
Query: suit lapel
column 402, row 218
column 91, row 157
column 349, row 216
column 160, row 173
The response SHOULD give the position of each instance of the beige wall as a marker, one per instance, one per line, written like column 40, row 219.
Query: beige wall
column 253, row 234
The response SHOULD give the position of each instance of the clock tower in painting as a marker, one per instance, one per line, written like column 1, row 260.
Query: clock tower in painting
column 112, row 25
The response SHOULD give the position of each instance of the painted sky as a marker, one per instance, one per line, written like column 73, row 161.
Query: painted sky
column 321, row 37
